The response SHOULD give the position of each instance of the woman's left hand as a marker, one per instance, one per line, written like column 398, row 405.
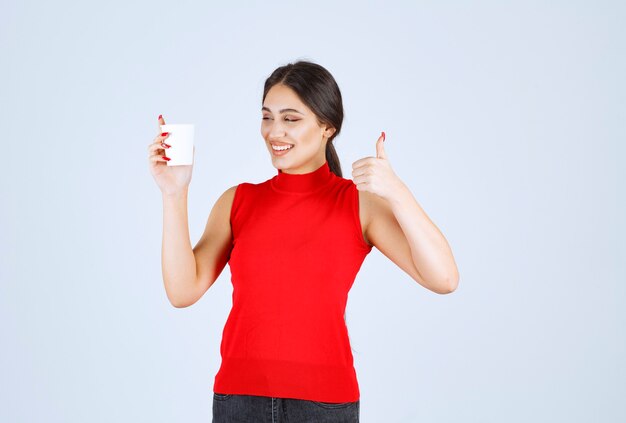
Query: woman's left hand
column 374, row 174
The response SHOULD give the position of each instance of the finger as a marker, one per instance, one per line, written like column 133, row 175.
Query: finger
column 157, row 147
column 155, row 158
column 159, row 139
column 380, row 147
column 359, row 171
column 156, row 152
column 362, row 162
column 361, row 185
column 158, row 144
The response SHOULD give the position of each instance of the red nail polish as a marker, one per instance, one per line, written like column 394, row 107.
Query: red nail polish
column 166, row 158
column 164, row 134
column 165, row 145
column 383, row 136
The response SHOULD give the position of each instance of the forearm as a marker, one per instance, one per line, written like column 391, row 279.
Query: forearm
column 431, row 253
column 177, row 258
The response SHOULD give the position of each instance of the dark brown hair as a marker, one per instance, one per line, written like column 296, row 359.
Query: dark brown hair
column 316, row 88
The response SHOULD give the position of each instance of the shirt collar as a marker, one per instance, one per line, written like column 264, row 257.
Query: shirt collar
column 303, row 182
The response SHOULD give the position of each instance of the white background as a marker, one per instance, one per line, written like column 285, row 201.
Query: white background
column 506, row 120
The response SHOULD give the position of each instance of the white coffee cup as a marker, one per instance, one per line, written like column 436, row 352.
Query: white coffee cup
column 181, row 142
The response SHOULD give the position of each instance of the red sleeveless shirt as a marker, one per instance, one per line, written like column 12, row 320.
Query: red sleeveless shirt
column 297, row 248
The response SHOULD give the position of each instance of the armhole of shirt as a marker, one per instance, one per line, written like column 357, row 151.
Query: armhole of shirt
column 236, row 201
column 357, row 219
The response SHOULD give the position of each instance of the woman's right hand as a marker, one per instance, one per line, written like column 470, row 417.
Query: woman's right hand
column 170, row 179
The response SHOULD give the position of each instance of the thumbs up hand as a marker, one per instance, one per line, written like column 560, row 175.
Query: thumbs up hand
column 374, row 174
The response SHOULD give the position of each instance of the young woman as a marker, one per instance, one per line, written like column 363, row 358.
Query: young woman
column 294, row 244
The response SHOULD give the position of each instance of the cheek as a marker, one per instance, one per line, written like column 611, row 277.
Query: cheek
column 312, row 134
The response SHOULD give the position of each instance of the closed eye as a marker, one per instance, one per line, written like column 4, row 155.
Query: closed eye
column 288, row 120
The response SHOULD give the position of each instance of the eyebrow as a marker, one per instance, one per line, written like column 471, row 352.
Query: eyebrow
column 283, row 110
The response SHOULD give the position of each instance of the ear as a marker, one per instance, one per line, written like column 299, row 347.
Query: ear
column 328, row 132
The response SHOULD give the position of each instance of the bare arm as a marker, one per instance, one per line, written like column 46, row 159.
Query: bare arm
column 188, row 273
column 212, row 251
column 400, row 228
column 178, row 263
column 402, row 231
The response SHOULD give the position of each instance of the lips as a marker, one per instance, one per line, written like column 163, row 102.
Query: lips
column 277, row 153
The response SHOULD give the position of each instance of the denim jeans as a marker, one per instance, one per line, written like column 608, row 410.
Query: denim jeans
column 231, row 408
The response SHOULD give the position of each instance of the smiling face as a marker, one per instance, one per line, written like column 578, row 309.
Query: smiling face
column 288, row 122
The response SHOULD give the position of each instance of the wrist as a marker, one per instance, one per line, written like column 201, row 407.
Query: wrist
column 176, row 195
column 399, row 193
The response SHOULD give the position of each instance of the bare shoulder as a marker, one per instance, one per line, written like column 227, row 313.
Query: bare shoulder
column 219, row 217
column 229, row 195
column 221, row 208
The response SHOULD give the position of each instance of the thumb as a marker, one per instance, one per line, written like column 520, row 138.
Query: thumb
column 380, row 147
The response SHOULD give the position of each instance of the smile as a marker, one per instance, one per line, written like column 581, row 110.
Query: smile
column 281, row 148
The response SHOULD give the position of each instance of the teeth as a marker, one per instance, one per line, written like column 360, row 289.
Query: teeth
column 282, row 148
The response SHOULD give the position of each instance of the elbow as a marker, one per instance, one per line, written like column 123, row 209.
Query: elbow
column 445, row 286
column 182, row 304
column 451, row 284
column 182, row 295
column 449, row 290
column 179, row 302
column 179, row 305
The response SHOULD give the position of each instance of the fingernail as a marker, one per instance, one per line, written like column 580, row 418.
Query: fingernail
column 166, row 158
column 165, row 145
column 383, row 136
column 164, row 134
column 160, row 116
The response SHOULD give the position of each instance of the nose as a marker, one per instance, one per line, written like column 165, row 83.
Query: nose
column 276, row 131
